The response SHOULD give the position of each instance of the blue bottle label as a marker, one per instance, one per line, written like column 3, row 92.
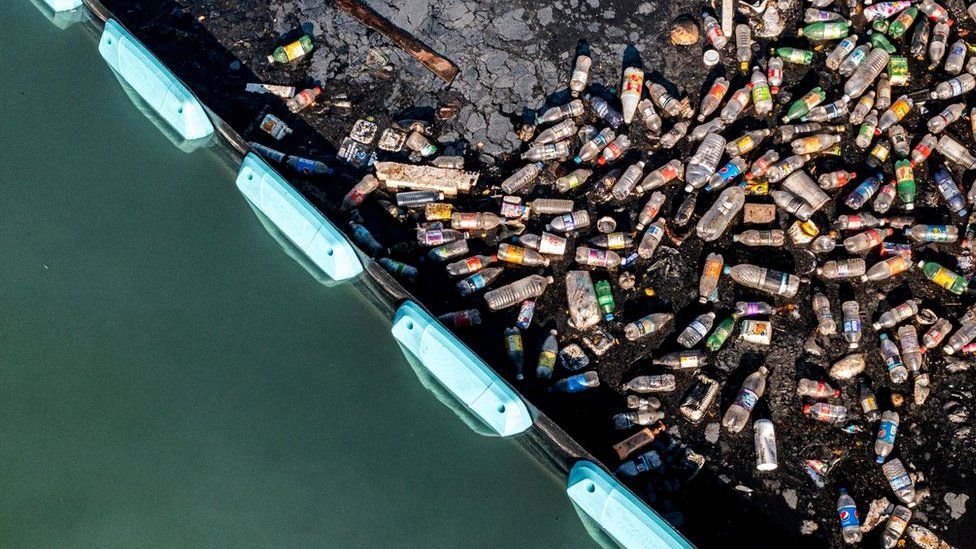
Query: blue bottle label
column 747, row 399
column 901, row 481
column 887, row 432
column 848, row 516
column 304, row 165
column 574, row 384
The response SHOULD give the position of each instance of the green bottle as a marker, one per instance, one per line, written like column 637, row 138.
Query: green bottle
column 291, row 52
column 880, row 25
column 905, row 183
column 901, row 23
column 943, row 277
column 802, row 106
column 721, row 333
column 605, row 298
column 795, row 55
column 825, row 30
column 878, row 40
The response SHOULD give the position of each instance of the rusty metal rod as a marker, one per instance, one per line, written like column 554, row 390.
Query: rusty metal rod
column 437, row 64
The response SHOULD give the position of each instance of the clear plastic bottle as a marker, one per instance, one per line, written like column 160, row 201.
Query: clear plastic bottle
column 863, row 242
column 937, row 44
column 675, row 134
column 884, row 198
column 737, row 416
column 866, row 132
column 814, row 143
column 884, row 443
column 521, row 180
column 651, row 239
column 950, row 192
column 955, row 152
column 875, row 62
column 850, row 525
column 659, row 383
column 895, row 113
column 512, row 294
column 911, row 352
column 714, row 31
column 577, row 383
column 743, row 46
column 864, row 105
column 869, row 403
column 962, row 336
column 514, row 350
column 604, row 110
column 956, row 58
column 854, row 60
column 933, row 233
column 696, row 331
column 716, row 220
column 614, row 150
column 713, row 98
column 554, row 114
column 359, row 192
column 852, row 323
column 728, row 173
column 826, row 324
column 840, row 52
column 647, row 112
column 479, row 280
column 899, row 481
column 792, row 204
column 668, row 104
column 775, row 238
column 593, row 257
column 470, row 265
column 896, row 526
column 570, row 222
column 682, row 360
column 954, row 87
column 848, row 367
column 647, row 325
column 761, row 96
column 737, row 103
column 650, row 210
column 892, row 359
column 745, row 143
column 625, row 185
column 613, row 241
column 545, row 153
column 702, row 165
column 826, row 412
column 550, row 206
column 711, row 271
column 573, row 179
column 592, row 148
column 816, row 389
column 581, row 74
column 883, row 270
column 518, row 255
column 948, row 115
column 628, row 420
column 767, row 280
column 303, row 99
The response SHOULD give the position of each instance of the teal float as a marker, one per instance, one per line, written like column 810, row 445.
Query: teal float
column 296, row 218
column 154, row 82
column 620, row 516
column 460, row 371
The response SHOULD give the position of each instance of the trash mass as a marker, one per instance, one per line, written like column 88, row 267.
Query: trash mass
column 749, row 288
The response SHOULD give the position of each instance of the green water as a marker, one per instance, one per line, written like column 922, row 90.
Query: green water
column 170, row 378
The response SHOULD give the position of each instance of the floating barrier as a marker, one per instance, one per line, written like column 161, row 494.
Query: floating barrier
column 297, row 219
column 460, row 371
column 153, row 82
column 612, row 513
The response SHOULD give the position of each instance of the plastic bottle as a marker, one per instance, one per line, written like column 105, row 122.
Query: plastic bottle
column 290, row 52
column 737, row 416
column 884, row 198
column 943, row 277
column 866, row 240
column 895, row 113
column 875, row 62
column 816, row 389
column 955, row 152
column 792, row 204
column 899, row 140
column 920, row 40
column 937, row 44
column 896, row 526
column 850, row 525
column 864, row 105
column 905, row 183
column 669, row 105
column 592, row 148
column 782, row 169
column 869, row 403
column 514, row 350
column 886, row 269
column 518, row 255
column 604, row 297
column 652, row 238
column 550, row 206
column 650, row 210
column 702, row 165
column 682, row 360
column 737, row 103
column 696, row 331
column 660, row 383
column 630, row 92
column 923, row 149
column 746, row 143
column 714, row 31
column 857, row 222
column 830, row 111
column 603, row 109
column 814, row 143
column 647, row 325
column 713, row 98
column 727, row 174
column 848, row 367
column 478, row 280
column 570, row 222
column 547, row 356
column 675, row 134
column 716, row 220
column 647, row 112
column 867, row 130
column 911, row 352
column 961, row 337
column 950, row 192
column 854, row 60
column 824, row 30
column 545, row 153
column 614, row 150
column 826, row 412
column 613, row 241
column 470, row 265
column 359, row 192
column 761, row 96
column 568, row 110
column 711, row 271
column 954, row 87
column 899, row 481
column 512, row 294
column 572, row 180
column 825, row 318
column 852, row 323
column 578, row 383
column 884, row 443
column 934, row 11
column 521, row 180
column 933, row 233
column 449, row 251
column 628, row 420
column 581, row 74
column 767, row 280
column 625, row 185
column 743, row 46
column 892, row 359
column 802, row 106
column 774, row 238
column 762, row 164
column 956, row 58
column 303, row 99
column 597, row 258
column 840, row 52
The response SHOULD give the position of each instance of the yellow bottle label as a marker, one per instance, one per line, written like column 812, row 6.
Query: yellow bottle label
column 294, row 50
column 943, row 278
column 513, row 254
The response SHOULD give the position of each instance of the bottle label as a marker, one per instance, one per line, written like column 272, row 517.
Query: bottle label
column 513, row 254
column 551, row 244
column 568, row 222
column 294, row 50
column 747, row 399
column 617, row 241
column 869, row 404
column 944, row 277
column 633, row 82
column 892, row 362
column 547, row 360
column 848, row 516
column 900, row 481
column 887, row 432
column 473, row 263
column 513, row 342
column 477, row 281
column 852, row 326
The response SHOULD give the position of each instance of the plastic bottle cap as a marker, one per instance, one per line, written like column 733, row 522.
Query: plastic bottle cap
column 711, row 58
